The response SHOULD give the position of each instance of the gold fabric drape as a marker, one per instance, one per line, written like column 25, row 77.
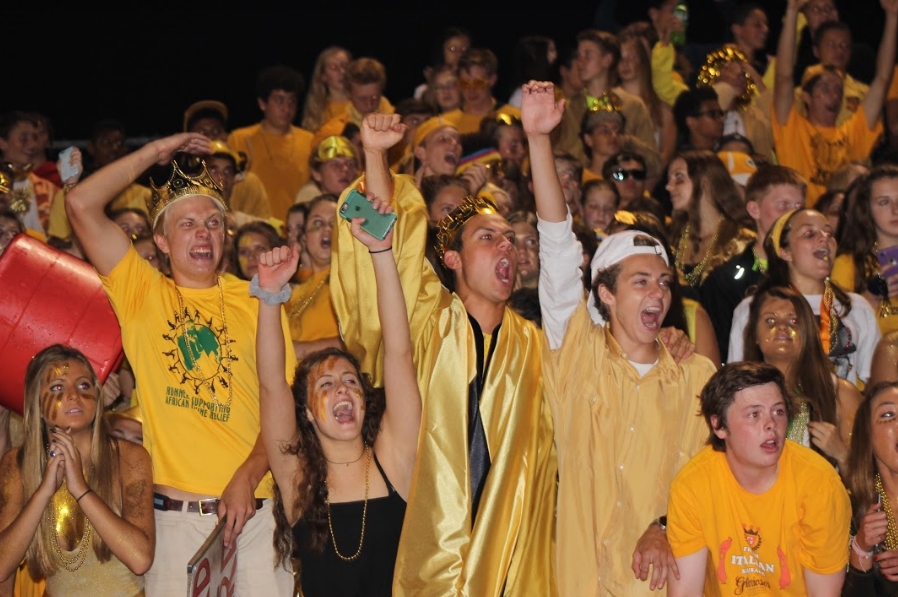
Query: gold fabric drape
column 511, row 545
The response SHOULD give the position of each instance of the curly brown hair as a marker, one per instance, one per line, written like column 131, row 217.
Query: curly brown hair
column 311, row 497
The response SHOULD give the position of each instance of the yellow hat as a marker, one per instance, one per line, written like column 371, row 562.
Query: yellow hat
column 818, row 69
column 740, row 165
column 221, row 148
column 431, row 125
column 210, row 105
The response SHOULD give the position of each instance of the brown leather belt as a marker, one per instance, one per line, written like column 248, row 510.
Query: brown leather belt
column 206, row 507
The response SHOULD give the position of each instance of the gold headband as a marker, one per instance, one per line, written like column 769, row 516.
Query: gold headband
column 776, row 232
column 334, row 146
column 449, row 226
column 713, row 67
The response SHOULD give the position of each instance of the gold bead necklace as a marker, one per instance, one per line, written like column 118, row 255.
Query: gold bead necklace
column 364, row 514
column 891, row 540
column 66, row 503
column 298, row 309
column 695, row 276
column 193, row 357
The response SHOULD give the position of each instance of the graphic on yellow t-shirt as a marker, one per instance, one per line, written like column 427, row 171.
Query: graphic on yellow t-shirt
column 829, row 156
column 749, row 562
column 201, row 355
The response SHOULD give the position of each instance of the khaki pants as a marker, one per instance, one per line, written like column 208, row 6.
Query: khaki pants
column 180, row 534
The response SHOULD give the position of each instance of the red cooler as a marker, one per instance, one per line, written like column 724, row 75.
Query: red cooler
column 47, row 297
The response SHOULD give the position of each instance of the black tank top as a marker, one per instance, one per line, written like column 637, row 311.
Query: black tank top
column 371, row 574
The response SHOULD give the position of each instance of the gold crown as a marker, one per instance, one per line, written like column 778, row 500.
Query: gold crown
column 750, row 530
column 713, row 67
column 5, row 181
column 181, row 185
column 449, row 226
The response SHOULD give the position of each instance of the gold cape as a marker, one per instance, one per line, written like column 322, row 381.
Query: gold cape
column 510, row 550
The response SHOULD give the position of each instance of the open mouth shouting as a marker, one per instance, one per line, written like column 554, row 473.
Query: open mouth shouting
column 651, row 318
column 203, row 252
column 344, row 412
column 771, row 446
column 503, row 270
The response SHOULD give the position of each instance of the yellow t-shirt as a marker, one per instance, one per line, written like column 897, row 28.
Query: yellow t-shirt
column 817, row 152
column 310, row 310
column 135, row 196
column 761, row 544
column 180, row 360
column 280, row 161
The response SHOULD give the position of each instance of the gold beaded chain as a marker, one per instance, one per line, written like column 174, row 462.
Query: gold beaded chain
column 297, row 310
column 891, row 539
column 364, row 513
column 693, row 277
column 81, row 555
column 196, row 362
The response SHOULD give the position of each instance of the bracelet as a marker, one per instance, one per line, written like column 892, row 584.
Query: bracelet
column 270, row 298
column 863, row 555
column 78, row 499
column 390, row 248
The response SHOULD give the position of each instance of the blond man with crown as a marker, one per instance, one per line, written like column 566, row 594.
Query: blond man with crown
column 191, row 342
column 481, row 511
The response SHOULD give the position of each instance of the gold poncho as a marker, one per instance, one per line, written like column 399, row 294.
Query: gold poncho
column 511, row 545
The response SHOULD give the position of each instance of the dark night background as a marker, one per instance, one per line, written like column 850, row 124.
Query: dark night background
column 146, row 65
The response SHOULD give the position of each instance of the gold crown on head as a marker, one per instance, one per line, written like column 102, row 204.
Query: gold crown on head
column 607, row 102
column 449, row 226
column 713, row 68
column 182, row 185
column 5, row 182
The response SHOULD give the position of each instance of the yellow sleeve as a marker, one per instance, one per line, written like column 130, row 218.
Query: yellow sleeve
column 825, row 526
column 353, row 286
column 843, row 273
column 128, row 285
column 861, row 138
column 58, row 225
column 666, row 86
column 684, row 529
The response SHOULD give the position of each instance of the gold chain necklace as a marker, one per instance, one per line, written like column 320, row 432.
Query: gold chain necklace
column 364, row 513
column 297, row 309
column 71, row 564
column 891, row 528
column 193, row 357
column 693, row 277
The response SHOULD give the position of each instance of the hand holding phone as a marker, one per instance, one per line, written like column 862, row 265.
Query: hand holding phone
column 888, row 261
column 69, row 165
column 376, row 224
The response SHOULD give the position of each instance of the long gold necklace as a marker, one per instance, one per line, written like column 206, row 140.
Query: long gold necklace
column 65, row 502
column 364, row 514
column 298, row 308
column 695, row 275
column 193, row 357
column 891, row 528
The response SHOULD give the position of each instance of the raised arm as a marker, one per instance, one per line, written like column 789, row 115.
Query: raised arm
column 103, row 241
column 379, row 133
column 397, row 442
column 560, row 255
column 876, row 95
column 783, row 87
column 540, row 114
column 278, row 412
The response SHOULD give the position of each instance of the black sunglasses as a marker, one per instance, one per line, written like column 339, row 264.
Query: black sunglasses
column 621, row 174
